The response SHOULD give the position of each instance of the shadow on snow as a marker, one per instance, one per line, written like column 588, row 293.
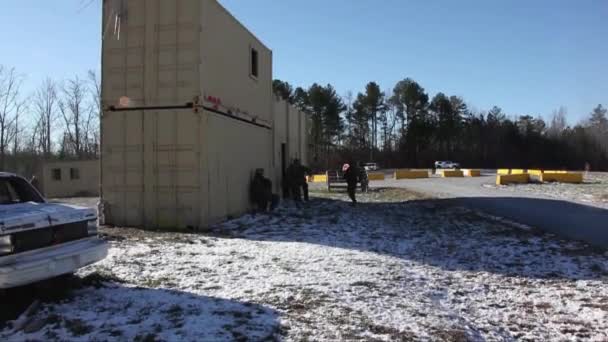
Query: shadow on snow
column 442, row 233
column 97, row 310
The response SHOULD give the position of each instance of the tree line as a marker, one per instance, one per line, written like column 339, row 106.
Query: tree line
column 406, row 127
column 58, row 120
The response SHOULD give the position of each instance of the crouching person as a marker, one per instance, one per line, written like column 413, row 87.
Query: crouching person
column 261, row 194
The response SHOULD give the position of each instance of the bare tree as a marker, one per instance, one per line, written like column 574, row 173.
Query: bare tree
column 46, row 106
column 95, row 91
column 95, row 119
column 32, row 137
column 74, row 110
column 10, row 108
column 80, row 108
column 18, row 130
column 558, row 123
column 90, row 134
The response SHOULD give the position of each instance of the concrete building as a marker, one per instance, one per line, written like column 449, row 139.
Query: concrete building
column 189, row 114
column 70, row 179
column 290, row 132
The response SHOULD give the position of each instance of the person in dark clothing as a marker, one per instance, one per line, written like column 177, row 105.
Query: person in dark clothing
column 296, row 174
column 300, row 172
column 261, row 193
column 351, row 175
column 290, row 175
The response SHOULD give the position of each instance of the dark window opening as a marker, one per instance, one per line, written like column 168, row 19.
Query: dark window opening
column 285, row 185
column 15, row 190
column 56, row 173
column 254, row 63
column 40, row 238
column 74, row 173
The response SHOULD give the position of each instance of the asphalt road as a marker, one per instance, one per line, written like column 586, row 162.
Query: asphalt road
column 569, row 219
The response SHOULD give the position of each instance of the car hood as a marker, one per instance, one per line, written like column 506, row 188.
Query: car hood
column 29, row 216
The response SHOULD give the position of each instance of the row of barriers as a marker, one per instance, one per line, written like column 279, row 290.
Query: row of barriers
column 322, row 178
column 406, row 174
column 412, row 174
column 504, row 177
column 503, row 172
column 518, row 176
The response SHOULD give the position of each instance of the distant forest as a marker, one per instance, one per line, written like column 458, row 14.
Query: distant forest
column 407, row 128
column 403, row 127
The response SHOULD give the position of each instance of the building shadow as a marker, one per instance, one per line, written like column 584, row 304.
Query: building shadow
column 566, row 219
column 105, row 311
column 458, row 234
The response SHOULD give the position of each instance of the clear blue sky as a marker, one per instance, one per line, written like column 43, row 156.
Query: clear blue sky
column 528, row 57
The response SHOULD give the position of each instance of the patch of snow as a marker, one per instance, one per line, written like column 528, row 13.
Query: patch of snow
column 129, row 313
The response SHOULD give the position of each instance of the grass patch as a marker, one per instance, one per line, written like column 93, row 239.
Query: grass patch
column 175, row 314
column 98, row 279
column 78, row 327
column 452, row 335
column 145, row 338
column 53, row 320
column 156, row 282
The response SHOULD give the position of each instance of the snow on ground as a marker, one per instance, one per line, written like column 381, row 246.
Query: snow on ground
column 594, row 190
column 396, row 267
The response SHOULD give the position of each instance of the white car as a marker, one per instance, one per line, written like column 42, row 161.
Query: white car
column 370, row 167
column 41, row 240
column 446, row 165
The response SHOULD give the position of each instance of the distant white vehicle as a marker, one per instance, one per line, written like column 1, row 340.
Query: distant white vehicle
column 370, row 166
column 41, row 240
column 446, row 165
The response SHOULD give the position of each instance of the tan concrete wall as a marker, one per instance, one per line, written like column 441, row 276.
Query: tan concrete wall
column 293, row 133
column 157, row 58
column 304, row 126
column 225, row 69
column 234, row 151
column 151, row 159
column 289, row 128
column 280, row 137
column 177, row 168
column 87, row 183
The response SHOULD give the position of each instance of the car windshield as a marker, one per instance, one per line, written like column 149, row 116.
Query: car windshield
column 14, row 190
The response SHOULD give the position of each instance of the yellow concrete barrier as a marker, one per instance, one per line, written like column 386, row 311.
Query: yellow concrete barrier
column 317, row 179
column 517, row 171
column 451, row 173
column 375, row 176
column 559, row 172
column 411, row 174
column 508, row 179
column 472, row 173
column 571, row 177
column 535, row 172
column 504, row 171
